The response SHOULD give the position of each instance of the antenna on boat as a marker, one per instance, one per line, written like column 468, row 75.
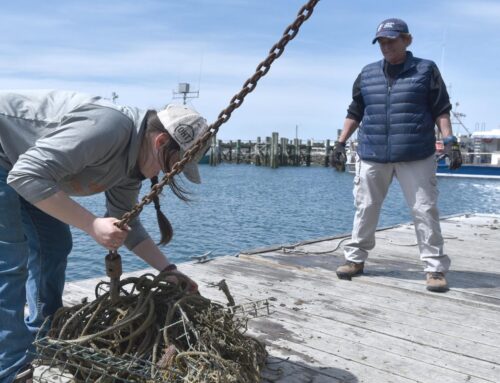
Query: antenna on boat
column 199, row 74
column 443, row 46
column 184, row 92
column 458, row 117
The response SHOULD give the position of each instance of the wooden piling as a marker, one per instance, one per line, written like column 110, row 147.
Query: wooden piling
column 274, row 150
column 267, row 152
column 213, row 158
column 308, row 152
column 257, row 152
column 238, row 151
column 296, row 156
column 249, row 153
column 219, row 151
column 327, row 153
column 282, row 151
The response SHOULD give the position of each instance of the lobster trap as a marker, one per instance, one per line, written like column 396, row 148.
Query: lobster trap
column 153, row 332
column 66, row 362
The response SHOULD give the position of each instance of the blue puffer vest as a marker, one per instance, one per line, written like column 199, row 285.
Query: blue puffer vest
column 397, row 124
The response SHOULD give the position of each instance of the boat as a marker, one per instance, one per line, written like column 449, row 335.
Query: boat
column 469, row 171
column 480, row 156
column 351, row 155
column 480, row 152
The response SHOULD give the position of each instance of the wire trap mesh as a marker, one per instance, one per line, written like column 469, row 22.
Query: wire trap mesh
column 155, row 332
column 60, row 361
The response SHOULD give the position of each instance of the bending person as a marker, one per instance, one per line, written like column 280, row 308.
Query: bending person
column 57, row 144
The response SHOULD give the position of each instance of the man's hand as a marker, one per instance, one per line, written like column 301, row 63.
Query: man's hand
column 338, row 157
column 452, row 150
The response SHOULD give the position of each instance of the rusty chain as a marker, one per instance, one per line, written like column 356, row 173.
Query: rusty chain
column 248, row 86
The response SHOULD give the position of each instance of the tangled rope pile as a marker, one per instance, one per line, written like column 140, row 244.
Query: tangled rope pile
column 176, row 335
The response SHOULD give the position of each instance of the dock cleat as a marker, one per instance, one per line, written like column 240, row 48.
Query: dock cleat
column 349, row 270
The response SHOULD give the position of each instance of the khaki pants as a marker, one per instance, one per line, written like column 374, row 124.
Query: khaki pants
column 418, row 182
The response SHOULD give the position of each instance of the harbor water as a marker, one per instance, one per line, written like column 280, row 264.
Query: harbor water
column 241, row 207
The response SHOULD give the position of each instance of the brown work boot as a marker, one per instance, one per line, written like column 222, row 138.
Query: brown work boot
column 350, row 269
column 436, row 282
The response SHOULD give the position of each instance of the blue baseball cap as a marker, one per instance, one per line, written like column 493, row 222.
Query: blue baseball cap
column 391, row 28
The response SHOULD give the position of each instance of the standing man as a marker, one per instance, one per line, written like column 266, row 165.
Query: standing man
column 397, row 101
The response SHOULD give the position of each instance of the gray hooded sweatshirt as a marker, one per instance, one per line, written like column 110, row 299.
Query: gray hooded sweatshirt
column 80, row 144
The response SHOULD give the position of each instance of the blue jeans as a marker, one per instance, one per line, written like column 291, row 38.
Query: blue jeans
column 33, row 254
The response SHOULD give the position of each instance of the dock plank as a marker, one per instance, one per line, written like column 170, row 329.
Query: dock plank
column 428, row 337
column 372, row 336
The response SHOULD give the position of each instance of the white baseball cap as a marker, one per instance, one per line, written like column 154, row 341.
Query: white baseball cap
column 185, row 126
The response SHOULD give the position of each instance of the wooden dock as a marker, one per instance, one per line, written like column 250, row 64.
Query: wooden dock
column 378, row 328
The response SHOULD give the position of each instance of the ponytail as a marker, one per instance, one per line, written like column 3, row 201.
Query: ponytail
column 163, row 223
column 165, row 153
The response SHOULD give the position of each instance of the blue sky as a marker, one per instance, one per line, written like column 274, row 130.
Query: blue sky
column 142, row 49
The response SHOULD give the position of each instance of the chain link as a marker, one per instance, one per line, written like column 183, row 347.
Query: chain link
column 249, row 85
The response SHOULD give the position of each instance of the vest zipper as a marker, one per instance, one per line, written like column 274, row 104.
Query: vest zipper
column 387, row 121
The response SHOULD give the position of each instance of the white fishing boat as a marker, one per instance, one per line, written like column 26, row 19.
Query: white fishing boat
column 480, row 156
